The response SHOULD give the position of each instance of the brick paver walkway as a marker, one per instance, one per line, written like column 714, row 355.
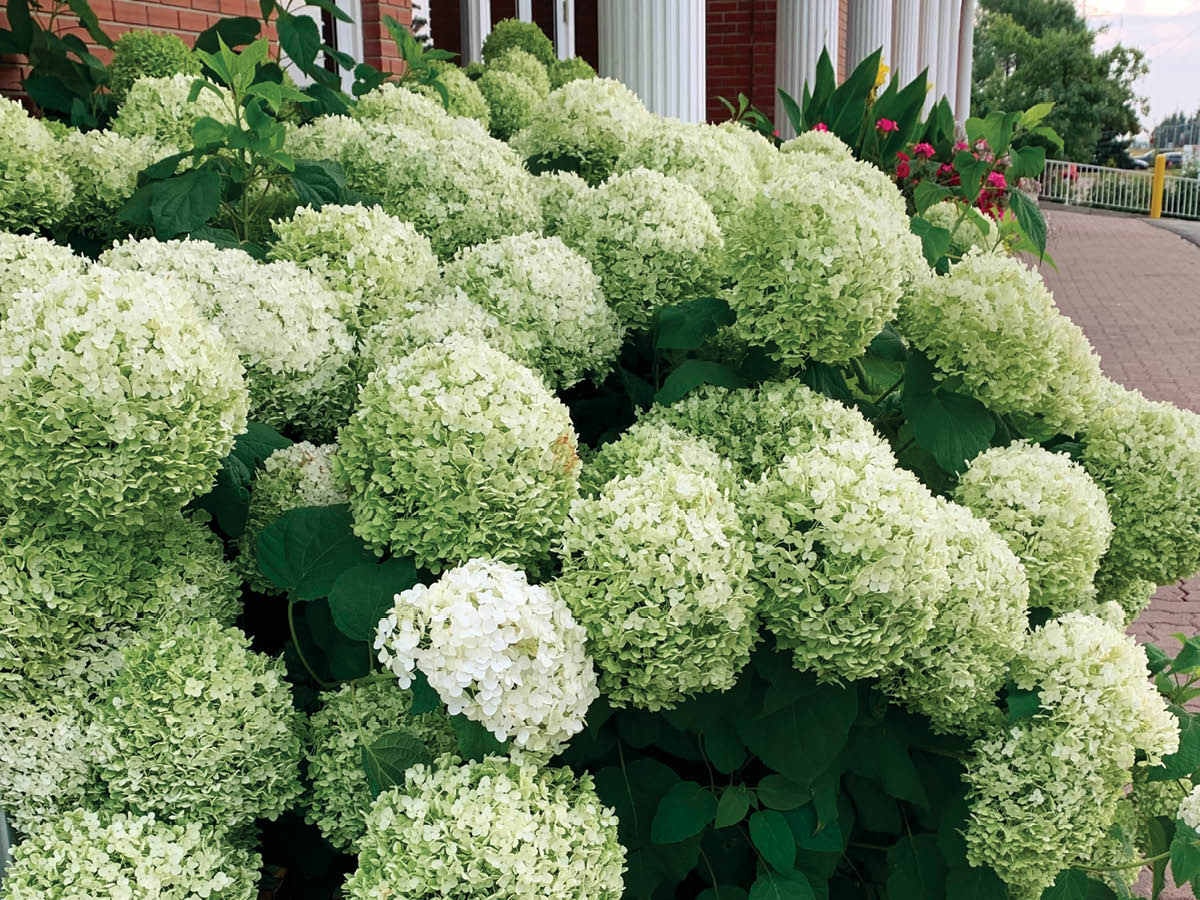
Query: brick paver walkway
column 1135, row 291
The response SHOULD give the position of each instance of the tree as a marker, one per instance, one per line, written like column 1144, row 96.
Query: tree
column 1033, row 51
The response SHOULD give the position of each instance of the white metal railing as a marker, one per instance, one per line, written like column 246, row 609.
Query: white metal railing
column 1081, row 184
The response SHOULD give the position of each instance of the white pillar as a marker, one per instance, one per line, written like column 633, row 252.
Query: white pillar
column 476, row 23
column 906, row 41
column 656, row 48
column 947, row 38
column 525, row 10
column 803, row 28
column 927, row 56
column 870, row 27
column 966, row 61
column 564, row 28
column 420, row 10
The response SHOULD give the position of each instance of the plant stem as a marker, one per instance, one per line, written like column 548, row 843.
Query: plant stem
column 299, row 650
column 885, row 394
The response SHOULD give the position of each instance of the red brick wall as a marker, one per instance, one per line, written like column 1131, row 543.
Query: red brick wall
column 740, row 54
column 188, row 18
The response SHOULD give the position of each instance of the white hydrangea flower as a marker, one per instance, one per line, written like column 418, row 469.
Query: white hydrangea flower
column 556, row 190
column 394, row 104
column 34, row 188
column 816, row 141
column 104, row 167
column 159, row 108
column 511, row 101
column 650, row 441
column 754, row 146
column 45, row 767
column 325, row 137
column 497, row 649
column 27, row 261
column 466, row 100
column 1189, row 809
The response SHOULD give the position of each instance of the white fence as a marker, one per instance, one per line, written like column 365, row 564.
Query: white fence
column 1079, row 184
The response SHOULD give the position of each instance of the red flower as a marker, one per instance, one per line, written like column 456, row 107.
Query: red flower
column 945, row 169
column 900, row 154
column 996, row 179
column 820, row 126
column 923, row 150
column 961, row 145
column 903, row 170
column 887, row 125
column 775, row 132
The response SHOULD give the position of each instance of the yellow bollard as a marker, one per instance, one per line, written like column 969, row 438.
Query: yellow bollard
column 1156, row 189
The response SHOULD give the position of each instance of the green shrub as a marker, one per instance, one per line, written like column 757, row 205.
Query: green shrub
column 148, row 54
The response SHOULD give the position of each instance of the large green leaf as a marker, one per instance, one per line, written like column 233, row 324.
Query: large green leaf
column 953, row 427
column 319, row 183
column 235, row 31
column 1073, row 884
column 687, row 325
column 773, row 886
column 691, row 374
column 229, row 498
column 935, row 240
column 969, row 883
column 773, row 838
column 723, row 747
column 685, row 810
column 184, row 202
column 917, row 869
column 732, row 807
column 365, row 594
column 300, row 40
column 1185, row 854
column 801, row 739
column 389, row 756
column 777, row 792
column 305, row 550
column 1029, row 217
column 475, row 741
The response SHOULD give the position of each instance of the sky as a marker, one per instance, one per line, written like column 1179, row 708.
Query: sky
column 1169, row 33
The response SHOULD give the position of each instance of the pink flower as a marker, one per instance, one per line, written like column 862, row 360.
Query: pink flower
column 996, row 180
column 903, row 170
column 900, row 154
column 961, row 145
column 923, row 150
column 945, row 169
column 775, row 132
column 887, row 125
column 820, row 126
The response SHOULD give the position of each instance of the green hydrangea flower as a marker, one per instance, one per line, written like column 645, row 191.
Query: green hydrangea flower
column 86, row 854
column 511, row 100
column 760, row 151
column 654, row 568
column 965, row 235
column 28, row 261
column 575, row 68
column 148, row 54
column 509, row 33
column 340, row 797
column 196, row 727
column 159, row 108
column 550, row 300
column 497, row 829
column 104, row 167
column 328, row 137
column 556, row 190
column 992, row 322
column 46, row 762
column 584, row 126
column 652, row 441
column 291, row 477
column 851, row 556
column 119, row 401
column 819, row 267
column 825, row 143
column 652, row 240
column 1132, row 595
column 34, row 188
column 524, row 65
column 1146, row 456
column 953, row 676
column 395, row 105
column 457, row 451
column 466, row 100
column 378, row 260
column 1050, row 513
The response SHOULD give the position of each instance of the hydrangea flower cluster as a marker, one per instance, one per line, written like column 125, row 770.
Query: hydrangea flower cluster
column 455, row 192
column 509, row 34
column 1145, row 455
column 394, row 105
column 590, row 122
column 707, row 158
column 651, row 441
column 196, row 727
column 27, row 261
column 328, row 137
column 1189, row 810
column 760, row 151
column 159, row 108
column 815, row 276
column 1132, row 595
column 34, row 189
column 45, row 770
column 965, row 235
column 150, row 394
column 992, row 322
column 556, row 190
column 851, row 556
column 652, row 240
column 574, row 68
column 498, row 829
column 1045, row 790
column 104, row 167
column 148, row 54
column 654, row 568
column 954, row 674
column 349, row 718
column 291, row 477
column 822, row 142
column 86, row 854
column 1050, row 512
column 526, row 66
column 284, row 323
column 466, row 99
column 511, row 101
column 381, row 262
column 500, row 651
column 457, row 451
column 550, row 300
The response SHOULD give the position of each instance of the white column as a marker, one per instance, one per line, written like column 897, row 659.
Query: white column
column 906, row 41
column 525, row 10
column 947, row 39
column 870, row 27
column 656, row 47
column 927, row 56
column 476, row 23
column 420, row 10
column 966, row 61
column 803, row 28
column 564, row 28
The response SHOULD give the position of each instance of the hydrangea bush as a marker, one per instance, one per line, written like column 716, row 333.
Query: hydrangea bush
column 623, row 509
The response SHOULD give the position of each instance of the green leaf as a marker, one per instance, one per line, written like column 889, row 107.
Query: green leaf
column 207, row 131
column 229, row 499
column 687, row 325
column 792, row 109
column 888, row 345
column 475, row 741
column 732, row 807
column 365, row 594
column 935, row 241
column 300, row 40
column 723, row 747
column 723, row 892
column 389, row 756
column 1072, row 884
column 424, row 698
column 771, row 834
column 777, row 792
column 1160, row 832
column 953, row 427
column 1030, row 218
column 928, row 193
column 1027, row 162
column 234, row 31
column 1188, row 657
column 803, row 738
column 1021, row 704
column 917, row 869
column 968, row 883
column 692, row 373
column 306, row 549
column 184, row 202
column 89, row 20
column 1035, row 114
column 811, row 834
column 1185, row 855
column 320, row 182
column 21, row 22
column 1184, row 762
column 685, row 810
column 826, row 379
column 772, row 886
